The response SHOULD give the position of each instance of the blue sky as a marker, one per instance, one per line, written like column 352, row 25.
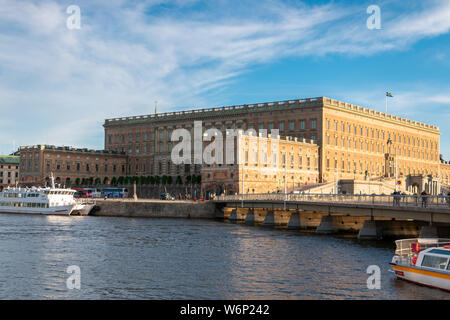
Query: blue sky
column 58, row 85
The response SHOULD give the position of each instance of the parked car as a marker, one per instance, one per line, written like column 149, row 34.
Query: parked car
column 166, row 196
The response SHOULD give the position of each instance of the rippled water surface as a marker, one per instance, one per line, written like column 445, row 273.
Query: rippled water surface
column 122, row 258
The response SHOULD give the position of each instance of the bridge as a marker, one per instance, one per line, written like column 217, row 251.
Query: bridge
column 372, row 216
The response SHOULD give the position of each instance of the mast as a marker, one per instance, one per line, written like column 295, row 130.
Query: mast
column 53, row 180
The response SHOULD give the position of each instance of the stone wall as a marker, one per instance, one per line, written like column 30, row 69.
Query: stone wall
column 155, row 209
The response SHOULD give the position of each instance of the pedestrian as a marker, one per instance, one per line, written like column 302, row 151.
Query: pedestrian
column 424, row 199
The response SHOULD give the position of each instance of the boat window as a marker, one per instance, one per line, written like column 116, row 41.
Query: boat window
column 440, row 251
column 434, row 262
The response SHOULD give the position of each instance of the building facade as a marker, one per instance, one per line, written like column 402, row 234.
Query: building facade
column 9, row 170
column 69, row 165
column 264, row 165
column 354, row 142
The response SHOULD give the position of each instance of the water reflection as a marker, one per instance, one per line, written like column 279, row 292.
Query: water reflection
column 123, row 258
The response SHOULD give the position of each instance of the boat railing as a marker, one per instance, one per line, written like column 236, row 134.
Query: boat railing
column 407, row 249
column 401, row 201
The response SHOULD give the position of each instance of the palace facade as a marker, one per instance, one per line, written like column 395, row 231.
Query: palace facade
column 69, row 165
column 264, row 165
column 353, row 142
column 9, row 170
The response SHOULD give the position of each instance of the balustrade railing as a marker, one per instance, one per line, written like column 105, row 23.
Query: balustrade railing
column 380, row 200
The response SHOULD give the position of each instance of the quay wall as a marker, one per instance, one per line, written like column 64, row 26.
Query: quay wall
column 155, row 209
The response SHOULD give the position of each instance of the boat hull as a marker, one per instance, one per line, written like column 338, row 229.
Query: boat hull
column 82, row 209
column 433, row 279
column 60, row 211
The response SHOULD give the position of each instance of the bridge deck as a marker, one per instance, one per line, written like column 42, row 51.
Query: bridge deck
column 422, row 208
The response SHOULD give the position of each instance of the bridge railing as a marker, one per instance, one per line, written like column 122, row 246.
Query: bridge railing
column 380, row 200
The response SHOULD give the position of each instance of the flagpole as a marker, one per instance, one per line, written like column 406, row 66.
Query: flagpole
column 386, row 103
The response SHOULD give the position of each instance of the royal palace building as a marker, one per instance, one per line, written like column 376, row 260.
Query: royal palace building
column 264, row 165
column 69, row 166
column 353, row 142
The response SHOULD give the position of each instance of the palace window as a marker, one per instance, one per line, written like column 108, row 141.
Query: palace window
column 291, row 125
column 302, row 124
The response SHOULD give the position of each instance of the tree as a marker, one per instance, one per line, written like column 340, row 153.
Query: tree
column 105, row 181
column 90, row 181
column 196, row 179
column 121, row 180
column 97, row 181
column 189, row 179
column 169, row 180
column 164, row 179
column 77, row 181
column 178, row 180
column 157, row 180
column 142, row 179
column 113, row 181
column 152, row 180
column 83, row 181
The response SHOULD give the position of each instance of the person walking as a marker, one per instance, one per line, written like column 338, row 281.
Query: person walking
column 424, row 199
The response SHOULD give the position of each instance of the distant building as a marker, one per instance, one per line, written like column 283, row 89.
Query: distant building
column 9, row 170
column 70, row 166
column 264, row 165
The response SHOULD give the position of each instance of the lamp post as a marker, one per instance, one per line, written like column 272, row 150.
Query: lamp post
column 396, row 173
column 243, row 176
column 337, row 179
column 285, row 180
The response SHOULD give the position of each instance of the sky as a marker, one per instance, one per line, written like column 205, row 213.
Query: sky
column 58, row 83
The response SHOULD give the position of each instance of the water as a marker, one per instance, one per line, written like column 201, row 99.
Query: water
column 122, row 258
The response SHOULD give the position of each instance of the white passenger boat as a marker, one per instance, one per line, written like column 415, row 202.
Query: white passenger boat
column 424, row 262
column 47, row 201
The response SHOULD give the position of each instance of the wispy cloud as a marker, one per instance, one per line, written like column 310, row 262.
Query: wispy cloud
column 58, row 85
